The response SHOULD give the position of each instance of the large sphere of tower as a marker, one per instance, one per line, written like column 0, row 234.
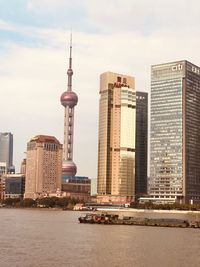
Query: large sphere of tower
column 69, row 168
column 69, row 98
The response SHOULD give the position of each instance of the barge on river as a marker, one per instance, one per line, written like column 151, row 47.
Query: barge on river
column 114, row 219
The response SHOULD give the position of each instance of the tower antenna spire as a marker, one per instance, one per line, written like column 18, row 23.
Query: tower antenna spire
column 70, row 71
column 70, row 50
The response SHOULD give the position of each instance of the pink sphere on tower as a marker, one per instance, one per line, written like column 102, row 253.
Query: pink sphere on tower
column 69, row 99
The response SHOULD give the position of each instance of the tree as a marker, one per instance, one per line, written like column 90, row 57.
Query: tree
column 28, row 202
column 11, row 201
column 47, row 201
column 62, row 202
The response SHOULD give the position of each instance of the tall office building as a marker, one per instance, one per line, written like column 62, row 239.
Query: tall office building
column 43, row 166
column 116, row 148
column 175, row 132
column 69, row 100
column 141, row 143
column 6, row 149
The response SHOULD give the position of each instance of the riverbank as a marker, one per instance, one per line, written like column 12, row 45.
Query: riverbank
column 160, row 211
column 36, row 208
column 112, row 210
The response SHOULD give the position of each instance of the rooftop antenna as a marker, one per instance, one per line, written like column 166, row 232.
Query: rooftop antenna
column 70, row 71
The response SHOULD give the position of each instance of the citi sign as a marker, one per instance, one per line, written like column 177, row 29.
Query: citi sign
column 196, row 70
column 177, row 67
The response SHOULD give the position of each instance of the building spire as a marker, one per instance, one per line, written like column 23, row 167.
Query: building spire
column 70, row 71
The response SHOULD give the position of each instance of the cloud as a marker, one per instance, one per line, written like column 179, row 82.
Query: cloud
column 6, row 26
column 62, row 13
column 52, row 6
column 144, row 16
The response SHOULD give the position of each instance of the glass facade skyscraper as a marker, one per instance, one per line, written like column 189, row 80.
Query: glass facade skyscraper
column 175, row 132
column 116, row 151
column 141, row 143
column 6, row 149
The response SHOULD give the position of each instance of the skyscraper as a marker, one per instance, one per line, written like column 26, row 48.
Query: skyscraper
column 175, row 132
column 6, row 149
column 141, row 143
column 116, row 148
column 43, row 166
column 69, row 100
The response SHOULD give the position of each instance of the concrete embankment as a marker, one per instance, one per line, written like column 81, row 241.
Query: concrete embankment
column 179, row 214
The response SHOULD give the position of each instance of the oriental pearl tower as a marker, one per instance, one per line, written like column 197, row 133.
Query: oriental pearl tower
column 69, row 100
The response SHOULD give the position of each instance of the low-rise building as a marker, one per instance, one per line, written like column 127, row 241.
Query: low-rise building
column 12, row 185
column 3, row 168
column 78, row 187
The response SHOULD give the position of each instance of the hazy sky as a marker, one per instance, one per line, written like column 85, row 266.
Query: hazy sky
column 125, row 36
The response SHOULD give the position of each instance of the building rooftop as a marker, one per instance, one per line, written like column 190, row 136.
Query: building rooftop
column 45, row 138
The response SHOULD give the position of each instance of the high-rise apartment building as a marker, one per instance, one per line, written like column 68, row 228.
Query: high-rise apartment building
column 116, row 148
column 6, row 149
column 175, row 132
column 43, row 166
column 141, row 143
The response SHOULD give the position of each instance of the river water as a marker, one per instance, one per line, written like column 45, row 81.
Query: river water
column 48, row 238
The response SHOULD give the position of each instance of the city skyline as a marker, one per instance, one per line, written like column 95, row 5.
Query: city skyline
column 34, row 46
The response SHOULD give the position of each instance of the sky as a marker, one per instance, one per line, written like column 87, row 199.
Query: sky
column 123, row 36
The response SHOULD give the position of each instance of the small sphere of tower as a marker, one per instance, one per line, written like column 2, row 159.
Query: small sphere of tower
column 69, row 72
column 69, row 98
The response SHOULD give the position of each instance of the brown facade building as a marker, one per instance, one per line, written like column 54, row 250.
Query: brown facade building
column 77, row 187
column 43, row 166
column 2, row 187
column 116, row 148
column 23, row 167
